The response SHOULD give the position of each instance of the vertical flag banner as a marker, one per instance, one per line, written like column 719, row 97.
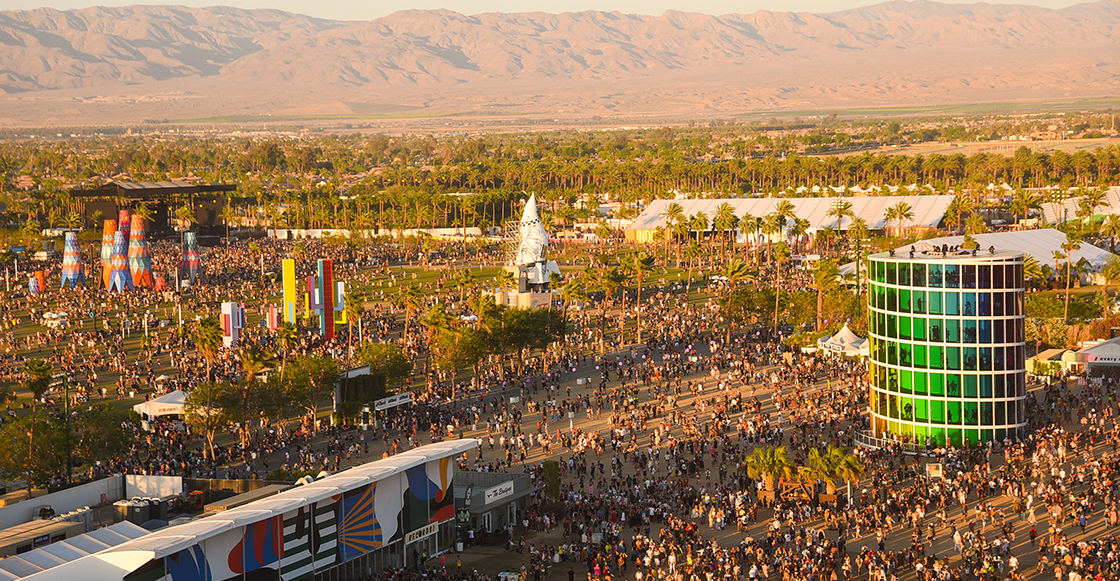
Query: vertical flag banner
column 291, row 296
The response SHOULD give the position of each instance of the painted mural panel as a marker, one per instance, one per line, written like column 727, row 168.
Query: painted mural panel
column 310, row 540
column 388, row 505
column 257, row 554
column 429, row 497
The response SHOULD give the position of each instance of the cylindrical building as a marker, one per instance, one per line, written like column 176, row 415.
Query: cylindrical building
column 947, row 346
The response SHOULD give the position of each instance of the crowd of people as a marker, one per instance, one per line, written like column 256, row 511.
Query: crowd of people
column 651, row 438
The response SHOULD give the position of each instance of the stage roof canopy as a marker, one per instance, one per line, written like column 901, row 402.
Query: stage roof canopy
column 151, row 190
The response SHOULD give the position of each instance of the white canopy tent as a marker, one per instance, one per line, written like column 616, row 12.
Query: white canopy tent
column 844, row 342
column 169, row 404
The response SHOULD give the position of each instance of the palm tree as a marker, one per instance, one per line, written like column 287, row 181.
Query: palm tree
column 841, row 209
column 355, row 307
column 693, row 253
column 901, row 211
column 228, row 214
column 782, row 253
column 772, row 225
column 1111, row 273
column 37, row 380
column 857, row 232
column 836, row 464
column 699, row 224
column 958, row 207
column 1069, row 246
column 1022, row 202
column 288, row 338
column 465, row 279
column 186, row 217
column 736, row 271
column 725, row 222
column 674, row 215
column 1111, row 227
column 826, row 277
column 1032, row 269
column 143, row 212
column 572, row 291
column 436, row 320
column 207, row 338
column 411, row 299
column 639, row 264
column 770, row 465
column 254, row 360
column 506, row 279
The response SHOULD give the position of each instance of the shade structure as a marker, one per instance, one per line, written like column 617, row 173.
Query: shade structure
column 192, row 262
column 120, row 278
column 107, row 251
column 139, row 258
column 72, row 271
column 37, row 282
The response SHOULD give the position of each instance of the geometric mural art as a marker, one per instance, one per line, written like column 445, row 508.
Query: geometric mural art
column 139, row 258
column 192, row 261
column 232, row 321
column 429, row 498
column 309, row 545
column 72, row 271
column 120, row 277
column 258, row 554
column 311, row 537
column 107, row 251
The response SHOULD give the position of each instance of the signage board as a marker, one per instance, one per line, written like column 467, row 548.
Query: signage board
column 421, row 533
column 393, row 401
column 496, row 493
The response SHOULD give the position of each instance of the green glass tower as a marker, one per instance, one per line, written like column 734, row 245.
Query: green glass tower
column 947, row 346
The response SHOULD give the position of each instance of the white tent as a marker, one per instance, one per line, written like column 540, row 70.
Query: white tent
column 844, row 342
column 169, row 404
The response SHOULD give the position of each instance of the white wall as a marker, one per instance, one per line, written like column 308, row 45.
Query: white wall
column 64, row 501
column 152, row 486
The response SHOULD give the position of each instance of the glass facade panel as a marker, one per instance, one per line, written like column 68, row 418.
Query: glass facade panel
column 955, row 374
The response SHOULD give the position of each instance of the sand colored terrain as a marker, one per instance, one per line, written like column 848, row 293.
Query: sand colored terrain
column 157, row 63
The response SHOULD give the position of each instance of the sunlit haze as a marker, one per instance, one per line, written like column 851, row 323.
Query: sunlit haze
column 362, row 10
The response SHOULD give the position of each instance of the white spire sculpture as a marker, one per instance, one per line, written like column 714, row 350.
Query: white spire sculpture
column 534, row 239
column 528, row 259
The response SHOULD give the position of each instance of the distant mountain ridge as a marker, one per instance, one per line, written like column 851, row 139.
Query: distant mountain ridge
column 763, row 57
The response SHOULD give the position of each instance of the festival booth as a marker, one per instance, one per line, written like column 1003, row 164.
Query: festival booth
column 169, row 406
column 845, row 343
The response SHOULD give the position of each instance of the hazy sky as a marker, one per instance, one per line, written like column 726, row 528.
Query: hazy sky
column 367, row 9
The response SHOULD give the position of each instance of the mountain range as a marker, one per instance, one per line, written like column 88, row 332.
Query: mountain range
column 173, row 62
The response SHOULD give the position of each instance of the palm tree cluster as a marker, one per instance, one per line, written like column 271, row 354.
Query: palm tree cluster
column 835, row 465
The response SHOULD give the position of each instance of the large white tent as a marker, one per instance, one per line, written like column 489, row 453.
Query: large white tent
column 169, row 404
column 928, row 211
column 844, row 342
column 1058, row 212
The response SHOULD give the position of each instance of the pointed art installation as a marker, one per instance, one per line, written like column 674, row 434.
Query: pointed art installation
column 120, row 279
column 291, row 295
column 107, row 251
column 72, row 272
column 37, row 282
column 325, row 297
column 139, row 258
column 233, row 320
column 192, row 262
column 529, row 263
column 124, row 221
